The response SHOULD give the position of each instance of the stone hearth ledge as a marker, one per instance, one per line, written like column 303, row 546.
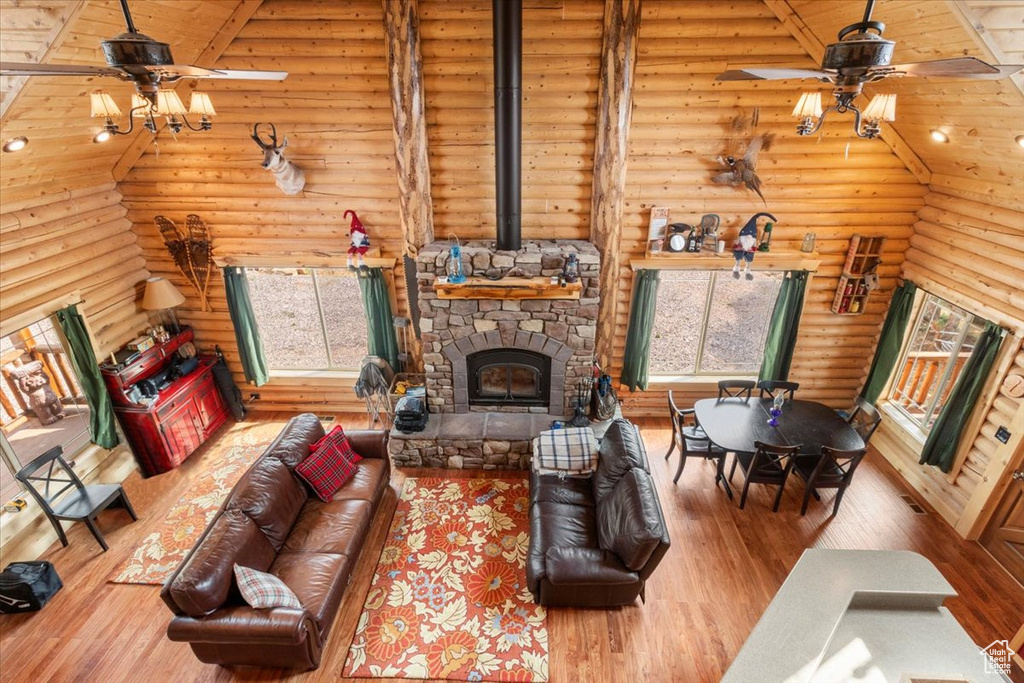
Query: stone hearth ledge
column 470, row 440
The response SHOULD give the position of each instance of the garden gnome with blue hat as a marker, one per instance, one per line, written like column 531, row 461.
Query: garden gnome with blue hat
column 745, row 246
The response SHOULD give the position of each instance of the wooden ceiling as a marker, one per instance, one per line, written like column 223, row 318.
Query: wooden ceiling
column 981, row 117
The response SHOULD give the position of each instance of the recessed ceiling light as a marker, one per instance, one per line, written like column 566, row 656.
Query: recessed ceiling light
column 16, row 144
column 1020, row 140
column 939, row 136
column 102, row 136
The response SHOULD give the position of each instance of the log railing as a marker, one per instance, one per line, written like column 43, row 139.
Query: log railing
column 920, row 372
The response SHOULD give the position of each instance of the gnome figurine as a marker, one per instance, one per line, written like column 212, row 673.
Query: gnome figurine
column 360, row 243
column 745, row 246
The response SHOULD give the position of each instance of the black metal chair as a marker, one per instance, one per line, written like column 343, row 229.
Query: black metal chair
column 771, row 388
column 833, row 471
column 864, row 418
column 735, row 388
column 59, row 501
column 692, row 442
column 768, row 464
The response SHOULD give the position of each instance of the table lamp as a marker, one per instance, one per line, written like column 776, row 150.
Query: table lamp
column 162, row 295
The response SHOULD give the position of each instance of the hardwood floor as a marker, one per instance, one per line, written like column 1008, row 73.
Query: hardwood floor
column 723, row 569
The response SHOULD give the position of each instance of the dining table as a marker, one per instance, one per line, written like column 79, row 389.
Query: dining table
column 734, row 424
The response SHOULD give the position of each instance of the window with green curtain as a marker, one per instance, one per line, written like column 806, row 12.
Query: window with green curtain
column 101, row 415
column 380, row 324
column 890, row 343
column 636, row 359
column 247, row 334
column 783, row 327
column 940, row 448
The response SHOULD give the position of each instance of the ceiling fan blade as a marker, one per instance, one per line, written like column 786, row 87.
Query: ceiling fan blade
column 189, row 71
column 958, row 67
column 28, row 69
column 772, row 75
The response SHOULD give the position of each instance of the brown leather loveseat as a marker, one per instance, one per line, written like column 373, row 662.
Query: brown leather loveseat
column 270, row 522
column 595, row 540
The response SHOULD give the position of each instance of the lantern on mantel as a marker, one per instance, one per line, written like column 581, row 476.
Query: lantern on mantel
column 455, row 273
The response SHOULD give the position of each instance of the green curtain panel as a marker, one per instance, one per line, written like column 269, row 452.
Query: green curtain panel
column 101, row 411
column 250, row 348
column 890, row 343
column 636, row 360
column 783, row 327
column 380, row 325
column 940, row 447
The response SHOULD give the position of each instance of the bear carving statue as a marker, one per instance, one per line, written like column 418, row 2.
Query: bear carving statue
column 31, row 379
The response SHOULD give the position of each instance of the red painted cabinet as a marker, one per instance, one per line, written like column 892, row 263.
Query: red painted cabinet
column 184, row 415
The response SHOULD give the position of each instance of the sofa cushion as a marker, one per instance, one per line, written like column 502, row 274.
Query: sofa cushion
column 330, row 464
column 272, row 496
column 336, row 527
column 264, row 591
column 550, row 488
column 205, row 581
column 621, row 450
column 556, row 525
column 292, row 445
column 370, row 478
column 629, row 519
column 318, row 581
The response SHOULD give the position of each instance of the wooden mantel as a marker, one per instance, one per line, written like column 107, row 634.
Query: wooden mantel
column 766, row 260
column 508, row 288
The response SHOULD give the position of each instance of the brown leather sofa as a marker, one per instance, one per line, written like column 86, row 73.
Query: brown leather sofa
column 595, row 540
column 271, row 522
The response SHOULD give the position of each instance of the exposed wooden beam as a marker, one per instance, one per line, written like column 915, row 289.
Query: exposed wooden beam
column 816, row 49
column 619, row 51
column 976, row 29
column 227, row 33
column 405, row 80
column 61, row 30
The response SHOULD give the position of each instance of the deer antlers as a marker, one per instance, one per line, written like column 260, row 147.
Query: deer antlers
column 273, row 136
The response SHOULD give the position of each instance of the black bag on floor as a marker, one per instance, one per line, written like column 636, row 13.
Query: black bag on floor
column 27, row 586
column 226, row 384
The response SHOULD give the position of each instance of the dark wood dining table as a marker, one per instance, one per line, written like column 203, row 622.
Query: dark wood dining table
column 734, row 424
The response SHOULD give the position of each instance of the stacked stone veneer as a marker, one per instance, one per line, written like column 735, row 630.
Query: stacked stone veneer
column 451, row 330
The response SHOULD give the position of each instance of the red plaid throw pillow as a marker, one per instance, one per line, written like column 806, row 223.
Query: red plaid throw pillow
column 330, row 464
column 262, row 590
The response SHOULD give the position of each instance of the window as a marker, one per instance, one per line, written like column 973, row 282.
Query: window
column 309, row 318
column 941, row 340
column 709, row 323
column 42, row 401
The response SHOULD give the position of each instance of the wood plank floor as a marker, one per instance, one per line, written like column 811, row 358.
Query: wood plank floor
column 723, row 569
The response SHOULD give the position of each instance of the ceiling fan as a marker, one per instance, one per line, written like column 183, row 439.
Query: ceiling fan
column 862, row 56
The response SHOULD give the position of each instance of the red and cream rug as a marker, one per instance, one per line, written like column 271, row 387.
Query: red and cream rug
column 449, row 597
column 160, row 552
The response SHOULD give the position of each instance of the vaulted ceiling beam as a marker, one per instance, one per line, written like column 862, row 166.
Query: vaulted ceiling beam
column 975, row 27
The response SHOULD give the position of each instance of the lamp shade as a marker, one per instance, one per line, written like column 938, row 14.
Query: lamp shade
column 103, row 106
column 140, row 106
column 161, row 294
column 169, row 104
column 881, row 108
column 201, row 104
column 809, row 105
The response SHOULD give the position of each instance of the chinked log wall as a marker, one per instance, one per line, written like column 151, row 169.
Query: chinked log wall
column 51, row 248
column 969, row 250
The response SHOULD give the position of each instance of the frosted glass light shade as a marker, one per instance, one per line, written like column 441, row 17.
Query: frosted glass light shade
column 809, row 105
column 881, row 108
column 201, row 104
column 161, row 294
column 103, row 106
column 169, row 104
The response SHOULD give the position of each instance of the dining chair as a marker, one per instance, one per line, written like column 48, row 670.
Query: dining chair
column 834, row 470
column 66, row 497
column 735, row 388
column 864, row 418
column 692, row 442
column 770, row 388
column 768, row 464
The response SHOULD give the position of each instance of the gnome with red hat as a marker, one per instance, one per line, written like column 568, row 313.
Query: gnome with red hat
column 360, row 243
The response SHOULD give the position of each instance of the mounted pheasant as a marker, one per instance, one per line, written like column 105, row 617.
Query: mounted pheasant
column 739, row 164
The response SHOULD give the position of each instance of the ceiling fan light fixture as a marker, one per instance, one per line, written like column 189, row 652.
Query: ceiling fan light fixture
column 169, row 104
column 16, row 144
column 201, row 104
column 103, row 106
column 939, row 136
column 140, row 106
column 1019, row 140
column 881, row 108
column 809, row 105
column 102, row 136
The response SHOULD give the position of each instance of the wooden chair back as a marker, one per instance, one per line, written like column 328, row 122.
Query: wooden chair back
column 771, row 464
column 835, row 469
column 772, row 388
column 735, row 388
column 48, row 477
column 864, row 418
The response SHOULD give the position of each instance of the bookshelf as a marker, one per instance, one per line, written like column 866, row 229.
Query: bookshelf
column 862, row 257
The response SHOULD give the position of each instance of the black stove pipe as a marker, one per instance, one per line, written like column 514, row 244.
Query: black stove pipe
column 508, row 121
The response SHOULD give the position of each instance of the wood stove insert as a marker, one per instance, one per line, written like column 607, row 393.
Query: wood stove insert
column 508, row 377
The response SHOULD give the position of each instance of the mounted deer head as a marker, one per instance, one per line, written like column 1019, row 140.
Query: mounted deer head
column 287, row 175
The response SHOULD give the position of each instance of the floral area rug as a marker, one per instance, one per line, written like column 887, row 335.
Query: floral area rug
column 449, row 597
column 160, row 553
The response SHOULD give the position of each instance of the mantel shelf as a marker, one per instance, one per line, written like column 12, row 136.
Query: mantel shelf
column 508, row 288
column 706, row 260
